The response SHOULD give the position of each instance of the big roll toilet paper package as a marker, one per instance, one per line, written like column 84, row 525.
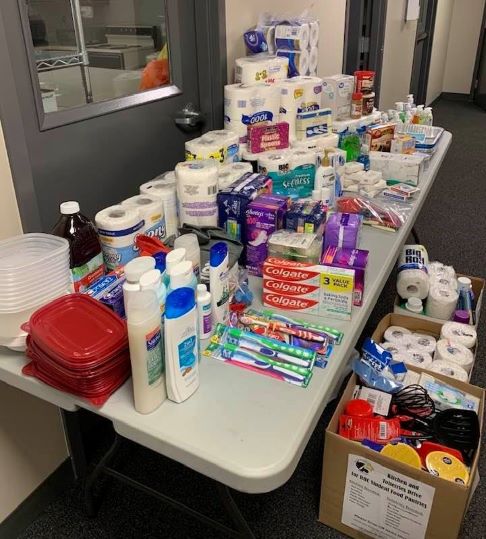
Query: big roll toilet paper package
column 298, row 61
column 151, row 210
column 118, row 227
column 197, row 188
column 165, row 189
column 413, row 279
column 250, row 104
column 261, row 68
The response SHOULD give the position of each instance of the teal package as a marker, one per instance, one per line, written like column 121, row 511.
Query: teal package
column 298, row 182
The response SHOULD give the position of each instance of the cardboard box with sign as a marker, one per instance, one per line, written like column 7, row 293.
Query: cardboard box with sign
column 367, row 494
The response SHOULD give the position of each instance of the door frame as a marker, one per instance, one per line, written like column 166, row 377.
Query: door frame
column 211, row 53
column 477, row 62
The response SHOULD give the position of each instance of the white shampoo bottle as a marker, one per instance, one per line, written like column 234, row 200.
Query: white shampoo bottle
column 181, row 344
column 146, row 354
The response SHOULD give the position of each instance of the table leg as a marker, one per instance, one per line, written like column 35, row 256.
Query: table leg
column 232, row 509
column 74, row 439
column 415, row 236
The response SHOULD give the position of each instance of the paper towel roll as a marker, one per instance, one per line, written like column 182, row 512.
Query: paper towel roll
column 292, row 36
column 228, row 174
column 461, row 333
column 443, row 281
column 151, row 210
column 313, row 33
column 313, row 59
column 414, row 357
column 118, row 227
column 449, row 369
column 413, row 283
column 260, row 68
column 441, row 303
column 397, row 335
column 166, row 191
column 454, row 352
column 229, row 139
column 424, row 343
column 206, row 147
column 197, row 188
column 276, row 161
column 298, row 61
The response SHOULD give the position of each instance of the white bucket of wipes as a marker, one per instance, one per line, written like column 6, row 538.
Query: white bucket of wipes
column 118, row 226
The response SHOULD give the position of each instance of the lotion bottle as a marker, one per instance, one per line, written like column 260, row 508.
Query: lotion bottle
column 219, row 282
column 181, row 344
column 146, row 354
column 326, row 177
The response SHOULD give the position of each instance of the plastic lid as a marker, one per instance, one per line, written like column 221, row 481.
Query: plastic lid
column 414, row 305
column 179, row 302
column 181, row 275
column 201, row 289
column 189, row 242
column 173, row 258
column 150, row 280
column 464, row 283
column 358, row 408
column 461, row 316
column 218, row 252
column 142, row 306
column 137, row 267
column 69, row 208
column 160, row 261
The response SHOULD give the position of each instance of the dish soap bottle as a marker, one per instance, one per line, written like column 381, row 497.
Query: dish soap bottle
column 351, row 144
column 181, row 344
column 86, row 258
column 364, row 158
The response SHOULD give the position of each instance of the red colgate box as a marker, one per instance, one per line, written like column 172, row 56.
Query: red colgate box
column 309, row 288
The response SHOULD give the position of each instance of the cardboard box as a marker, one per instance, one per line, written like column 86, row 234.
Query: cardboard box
column 478, row 289
column 365, row 494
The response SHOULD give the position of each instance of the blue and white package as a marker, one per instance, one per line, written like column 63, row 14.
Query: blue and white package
column 292, row 36
column 298, row 61
column 255, row 41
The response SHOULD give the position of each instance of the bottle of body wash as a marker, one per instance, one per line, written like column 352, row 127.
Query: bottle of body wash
column 181, row 344
column 219, row 282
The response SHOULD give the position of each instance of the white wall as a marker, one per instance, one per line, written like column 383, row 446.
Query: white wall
column 397, row 56
column 439, row 48
column 242, row 15
column 463, row 44
column 32, row 442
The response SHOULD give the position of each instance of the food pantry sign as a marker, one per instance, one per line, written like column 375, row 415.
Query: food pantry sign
column 383, row 503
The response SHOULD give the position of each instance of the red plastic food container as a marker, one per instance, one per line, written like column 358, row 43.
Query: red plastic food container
column 78, row 331
column 364, row 81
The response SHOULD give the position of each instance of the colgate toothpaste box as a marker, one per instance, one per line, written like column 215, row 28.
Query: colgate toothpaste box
column 309, row 288
column 264, row 216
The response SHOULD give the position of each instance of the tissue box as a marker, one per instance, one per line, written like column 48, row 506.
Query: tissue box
column 337, row 91
column 264, row 216
column 396, row 166
column 343, row 230
column 306, row 216
column 233, row 201
column 355, row 259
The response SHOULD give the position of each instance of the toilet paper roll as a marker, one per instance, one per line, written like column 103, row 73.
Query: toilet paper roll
column 118, row 227
column 394, row 348
column 228, row 174
column 229, row 139
column 206, row 147
column 292, row 36
column 441, row 270
column 424, row 343
column 166, row 191
column 298, row 61
column 443, row 281
column 454, row 352
column 441, row 303
column 151, row 210
column 276, row 162
column 447, row 368
column 313, row 33
column 300, row 94
column 414, row 357
column 197, row 188
column 413, row 283
column 461, row 333
column 397, row 335
column 313, row 59
column 260, row 68
column 301, row 158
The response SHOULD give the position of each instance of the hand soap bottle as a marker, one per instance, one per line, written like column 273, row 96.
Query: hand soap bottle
column 326, row 177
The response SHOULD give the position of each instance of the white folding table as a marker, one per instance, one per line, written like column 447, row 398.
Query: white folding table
column 245, row 431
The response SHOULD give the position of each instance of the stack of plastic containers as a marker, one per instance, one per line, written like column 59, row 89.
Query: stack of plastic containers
column 78, row 345
column 34, row 269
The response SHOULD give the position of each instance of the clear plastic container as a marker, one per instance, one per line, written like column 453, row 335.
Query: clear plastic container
column 297, row 246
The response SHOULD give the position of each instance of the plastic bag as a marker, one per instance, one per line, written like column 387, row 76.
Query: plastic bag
column 378, row 213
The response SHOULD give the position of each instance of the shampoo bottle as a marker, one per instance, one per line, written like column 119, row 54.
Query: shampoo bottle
column 182, row 275
column 181, row 344
column 219, row 282
column 171, row 260
column 204, row 318
column 146, row 354
column 133, row 273
column 190, row 243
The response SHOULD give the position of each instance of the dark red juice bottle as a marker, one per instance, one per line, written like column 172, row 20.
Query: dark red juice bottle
column 84, row 245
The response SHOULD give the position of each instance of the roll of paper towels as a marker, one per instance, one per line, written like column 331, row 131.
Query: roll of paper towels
column 228, row 174
column 461, row 333
column 454, row 352
column 166, row 191
column 151, row 210
column 424, row 343
column 414, row 357
column 118, row 226
column 313, row 33
column 292, row 36
column 398, row 335
column 413, row 280
column 197, row 188
column 298, row 61
column 452, row 370
column 276, row 161
column 441, row 303
column 260, row 68
column 313, row 59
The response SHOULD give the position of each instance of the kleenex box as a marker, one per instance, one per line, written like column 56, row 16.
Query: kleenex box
column 395, row 166
column 337, row 91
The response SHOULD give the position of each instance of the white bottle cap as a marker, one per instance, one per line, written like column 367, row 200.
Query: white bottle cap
column 181, row 275
column 399, row 105
column 173, row 258
column 141, row 307
column 137, row 267
column 150, row 280
column 316, row 194
column 69, row 208
column 464, row 283
column 201, row 289
column 414, row 305
column 189, row 242
column 326, row 195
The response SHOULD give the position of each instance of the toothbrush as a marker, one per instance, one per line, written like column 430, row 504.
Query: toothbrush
column 272, row 354
column 279, row 326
